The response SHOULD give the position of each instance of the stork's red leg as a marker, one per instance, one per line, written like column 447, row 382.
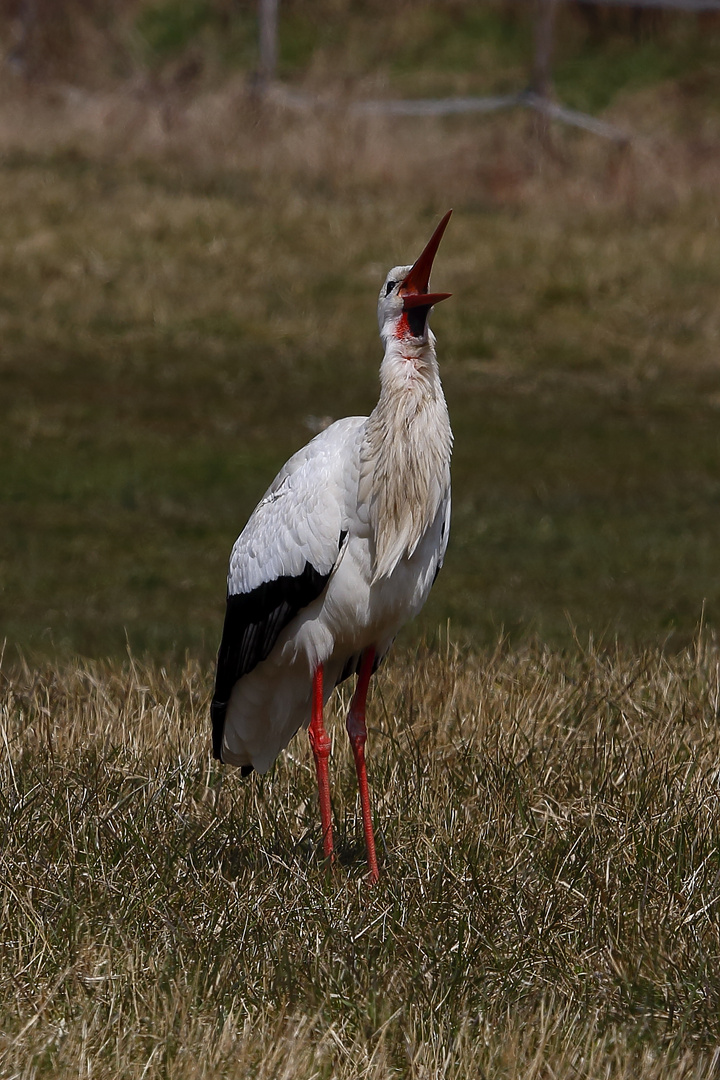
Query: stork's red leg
column 358, row 737
column 320, row 743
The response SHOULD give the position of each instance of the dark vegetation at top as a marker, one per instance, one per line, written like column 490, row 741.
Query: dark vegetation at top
column 419, row 45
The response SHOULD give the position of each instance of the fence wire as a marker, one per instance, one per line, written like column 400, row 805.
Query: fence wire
column 535, row 97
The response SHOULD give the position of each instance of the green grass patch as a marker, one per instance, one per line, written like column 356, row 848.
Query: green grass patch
column 172, row 26
column 166, row 347
column 591, row 72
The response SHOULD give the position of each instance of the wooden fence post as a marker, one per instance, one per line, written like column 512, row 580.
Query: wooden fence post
column 541, row 80
column 17, row 58
column 541, row 77
column 268, row 24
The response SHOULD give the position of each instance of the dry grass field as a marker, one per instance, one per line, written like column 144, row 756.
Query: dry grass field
column 187, row 291
column 548, row 906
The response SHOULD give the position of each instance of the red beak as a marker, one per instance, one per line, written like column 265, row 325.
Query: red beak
column 414, row 289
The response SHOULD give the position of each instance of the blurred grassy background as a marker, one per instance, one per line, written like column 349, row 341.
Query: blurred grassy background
column 188, row 286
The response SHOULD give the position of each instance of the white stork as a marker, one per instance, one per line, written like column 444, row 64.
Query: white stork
column 339, row 553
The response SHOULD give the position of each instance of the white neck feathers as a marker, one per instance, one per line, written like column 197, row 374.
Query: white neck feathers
column 405, row 459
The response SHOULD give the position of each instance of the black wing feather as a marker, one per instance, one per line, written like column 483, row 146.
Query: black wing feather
column 253, row 623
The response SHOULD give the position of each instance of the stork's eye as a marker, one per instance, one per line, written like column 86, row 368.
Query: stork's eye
column 389, row 287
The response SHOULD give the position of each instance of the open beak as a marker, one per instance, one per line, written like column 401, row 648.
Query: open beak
column 414, row 289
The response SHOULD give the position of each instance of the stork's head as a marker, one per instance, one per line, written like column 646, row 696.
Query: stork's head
column 404, row 302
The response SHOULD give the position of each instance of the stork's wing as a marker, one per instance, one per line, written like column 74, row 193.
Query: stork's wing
column 285, row 555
